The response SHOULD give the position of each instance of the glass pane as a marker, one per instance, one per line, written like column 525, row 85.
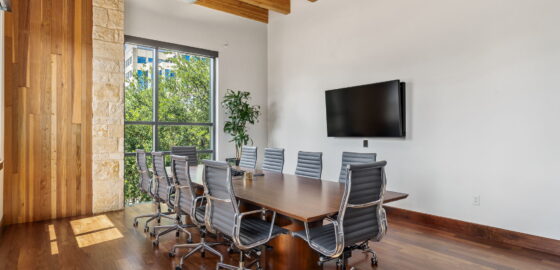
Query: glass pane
column 138, row 137
column 203, row 156
column 139, row 66
column 132, row 193
column 184, row 88
column 198, row 136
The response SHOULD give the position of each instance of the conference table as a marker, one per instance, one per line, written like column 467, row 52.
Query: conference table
column 296, row 200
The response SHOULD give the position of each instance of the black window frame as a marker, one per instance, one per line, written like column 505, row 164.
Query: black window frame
column 156, row 123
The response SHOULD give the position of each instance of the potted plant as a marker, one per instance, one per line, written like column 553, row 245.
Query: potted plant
column 239, row 113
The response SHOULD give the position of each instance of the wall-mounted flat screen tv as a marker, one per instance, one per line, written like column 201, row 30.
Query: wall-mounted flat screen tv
column 373, row 110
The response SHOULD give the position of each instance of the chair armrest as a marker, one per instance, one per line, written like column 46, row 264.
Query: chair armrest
column 217, row 199
column 339, row 239
column 237, row 228
column 241, row 215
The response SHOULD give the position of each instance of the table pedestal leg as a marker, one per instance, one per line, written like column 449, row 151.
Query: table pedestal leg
column 291, row 253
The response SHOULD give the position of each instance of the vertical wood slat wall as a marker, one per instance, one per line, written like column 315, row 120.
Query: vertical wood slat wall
column 48, row 67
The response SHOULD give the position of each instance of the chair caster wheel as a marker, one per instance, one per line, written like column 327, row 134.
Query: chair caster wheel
column 152, row 234
column 171, row 254
column 189, row 241
column 374, row 261
column 229, row 250
column 202, row 254
column 146, row 229
column 155, row 243
column 178, row 268
column 159, row 220
column 135, row 224
column 177, row 234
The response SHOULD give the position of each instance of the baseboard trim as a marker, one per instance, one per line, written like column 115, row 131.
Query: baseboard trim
column 477, row 231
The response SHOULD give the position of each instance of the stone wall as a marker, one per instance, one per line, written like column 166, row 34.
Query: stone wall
column 108, row 105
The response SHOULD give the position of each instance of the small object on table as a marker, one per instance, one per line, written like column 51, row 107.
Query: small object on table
column 248, row 176
column 258, row 174
column 235, row 172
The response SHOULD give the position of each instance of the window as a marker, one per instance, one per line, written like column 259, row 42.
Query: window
column 173, row 108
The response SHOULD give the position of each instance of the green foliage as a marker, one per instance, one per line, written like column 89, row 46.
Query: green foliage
column 240, row 113
column 184, row 96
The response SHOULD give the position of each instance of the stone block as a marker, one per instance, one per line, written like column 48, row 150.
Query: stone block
column 109, row 4
column 116, row 19
column 105, row 144
column 107, row 49
column 100, row 16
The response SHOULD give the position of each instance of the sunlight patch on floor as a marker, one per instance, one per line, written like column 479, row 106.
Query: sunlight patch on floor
column 52, row 238
column 54, row 248
column 98, row 237
column 91, row 224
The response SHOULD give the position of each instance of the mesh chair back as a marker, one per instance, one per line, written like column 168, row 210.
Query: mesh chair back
column 221, row 205
column 180, row 167
column 310, row 164
column 160, row 175
column 361, row 214
column 189, row 151
column 145, row 179
column 248, row 157
column 354, row 158
column 273, row 160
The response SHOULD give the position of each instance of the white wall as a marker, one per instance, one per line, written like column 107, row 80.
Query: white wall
column 241, row 44
column 482, row 102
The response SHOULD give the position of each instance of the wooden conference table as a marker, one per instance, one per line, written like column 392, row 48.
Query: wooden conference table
column 295, row 199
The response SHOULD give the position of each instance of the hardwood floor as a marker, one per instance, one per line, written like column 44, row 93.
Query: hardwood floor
column 108, row 241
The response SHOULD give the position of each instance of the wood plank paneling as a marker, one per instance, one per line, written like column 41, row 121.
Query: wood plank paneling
column 281, row 6
column 237, row 7
column 48, row 67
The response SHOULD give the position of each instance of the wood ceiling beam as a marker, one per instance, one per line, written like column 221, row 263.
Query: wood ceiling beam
column 280, row 6
column 237, row 7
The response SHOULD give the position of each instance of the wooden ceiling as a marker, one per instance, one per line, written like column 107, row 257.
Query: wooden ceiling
column 252, row 9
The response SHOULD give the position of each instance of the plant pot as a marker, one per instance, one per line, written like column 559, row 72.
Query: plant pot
column 233, row 161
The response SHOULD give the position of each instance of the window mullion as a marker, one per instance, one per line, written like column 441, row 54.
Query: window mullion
column 155, row 112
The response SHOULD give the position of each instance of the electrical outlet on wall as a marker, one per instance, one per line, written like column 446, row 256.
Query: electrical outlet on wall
column 476, row 200
column 365, row 143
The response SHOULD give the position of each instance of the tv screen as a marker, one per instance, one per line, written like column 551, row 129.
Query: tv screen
column 373, row 110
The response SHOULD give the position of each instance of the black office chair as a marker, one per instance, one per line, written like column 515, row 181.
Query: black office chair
column 189, row 204
column 163, row 190
column 361, row 217
column 181, row 178
column 310, row 164
column 354, row 158
column 188, row 151
column 145, row 185
column 273, row 160
column 248, row 157
column 223, row 216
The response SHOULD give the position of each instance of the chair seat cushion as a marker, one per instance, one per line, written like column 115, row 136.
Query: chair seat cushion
column 254, row 230
column 322, row 236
